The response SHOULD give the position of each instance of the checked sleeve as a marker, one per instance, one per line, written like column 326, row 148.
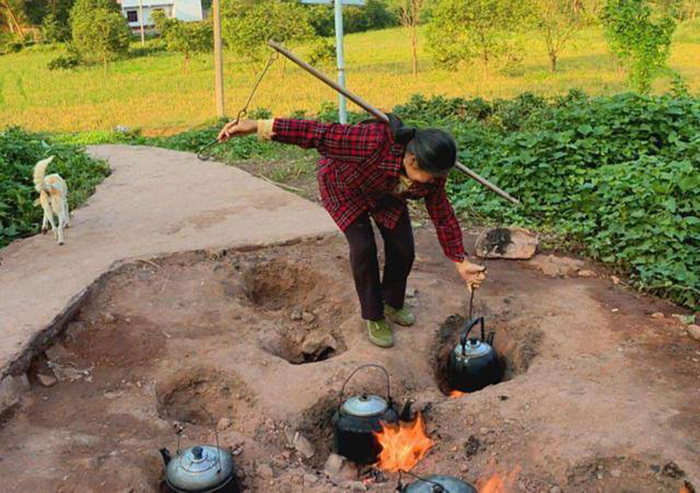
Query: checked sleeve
column 347, row 143
column 446, row 224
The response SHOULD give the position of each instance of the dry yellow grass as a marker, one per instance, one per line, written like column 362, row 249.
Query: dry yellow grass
column 153, row 93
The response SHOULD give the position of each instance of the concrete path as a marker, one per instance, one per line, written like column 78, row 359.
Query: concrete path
column 155, row 202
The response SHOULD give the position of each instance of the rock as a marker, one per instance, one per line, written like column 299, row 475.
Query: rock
column 555, row 489
column 411, row 292
column 308, row 317
column 108, row 318
column 296, row 315
column 615, row 280
column 554, row 266
column 586, row 273
column 46, row 380
column 657, row 316
column 265, row 471
column 339, row 469
column 694, row 331
column 510, row 243
column 223, row 423
column 11, row 388
column 304, row 446
column 317, row 343
column 684, row 319
column 310, row 479
column 616, row 473
column 353, row 486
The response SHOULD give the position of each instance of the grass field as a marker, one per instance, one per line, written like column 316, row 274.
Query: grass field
column 154, row 94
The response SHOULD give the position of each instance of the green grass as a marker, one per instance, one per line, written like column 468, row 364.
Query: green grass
column 154, row 94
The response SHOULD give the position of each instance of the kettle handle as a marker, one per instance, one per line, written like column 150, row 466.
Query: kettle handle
column 388, row 382
column 468, row 328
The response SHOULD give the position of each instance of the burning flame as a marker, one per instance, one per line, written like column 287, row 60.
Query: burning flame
column 403, row 445
column 501, row 483
column 454, row 394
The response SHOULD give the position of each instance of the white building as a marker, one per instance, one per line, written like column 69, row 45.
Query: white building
column 185, row 10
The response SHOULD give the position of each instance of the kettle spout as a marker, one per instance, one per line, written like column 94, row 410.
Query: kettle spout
column 167, row 456
column 406, row 412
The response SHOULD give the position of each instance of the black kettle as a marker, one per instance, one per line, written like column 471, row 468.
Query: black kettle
column 474, row 363
column 358, row 418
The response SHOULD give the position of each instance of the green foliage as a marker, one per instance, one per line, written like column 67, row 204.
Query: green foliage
column 464, row 30
column 373, row 15
column 322, row 52
column 557, row 21
column 620, row 175
column 188, row 38
column 19, row 152
column 65, row 62
column 638, row 39
column 100, row 32
column 247, row 26
column 688, row 32
column 54, row 29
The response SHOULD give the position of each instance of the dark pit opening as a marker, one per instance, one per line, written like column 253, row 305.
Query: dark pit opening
column 516, row 348
column 299, row 345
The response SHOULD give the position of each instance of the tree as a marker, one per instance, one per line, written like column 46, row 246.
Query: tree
column 558, row 20
column 99, row 33
column 638, row 39
column 247, row 26
column 410, row 11
column 462, row 30
column 12, row 15
column 188, row 38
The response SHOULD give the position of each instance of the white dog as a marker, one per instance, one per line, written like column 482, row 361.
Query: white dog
column 53, row 197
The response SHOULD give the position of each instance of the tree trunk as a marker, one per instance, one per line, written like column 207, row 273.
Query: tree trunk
column 414, row 44
column 104, row 60
column 553, row 60
column 13, row 18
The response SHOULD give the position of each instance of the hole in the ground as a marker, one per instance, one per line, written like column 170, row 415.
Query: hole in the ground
column 201, row 396
column 316, row 424
column 516, row 349
column 276, row 284
column 300, row 345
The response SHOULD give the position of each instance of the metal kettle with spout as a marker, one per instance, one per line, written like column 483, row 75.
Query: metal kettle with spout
column 474, row 363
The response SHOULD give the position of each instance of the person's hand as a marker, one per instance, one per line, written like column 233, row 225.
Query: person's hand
column 233, row 129
column 473, row 274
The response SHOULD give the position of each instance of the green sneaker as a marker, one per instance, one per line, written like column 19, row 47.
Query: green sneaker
column 401, row 316
column 380, row 333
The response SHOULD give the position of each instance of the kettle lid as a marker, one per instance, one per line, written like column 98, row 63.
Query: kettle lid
column 364, row 406
column 200, row 468
column 473, row 348
column 439, row 483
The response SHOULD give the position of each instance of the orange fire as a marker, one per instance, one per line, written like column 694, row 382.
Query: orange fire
column 403, row 445
column 454, row 394
column 500, row 483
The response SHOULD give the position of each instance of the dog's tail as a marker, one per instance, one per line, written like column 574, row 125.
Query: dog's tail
column 40, row 173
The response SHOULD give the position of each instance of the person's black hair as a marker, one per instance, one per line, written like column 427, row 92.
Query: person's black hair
column 435, row 150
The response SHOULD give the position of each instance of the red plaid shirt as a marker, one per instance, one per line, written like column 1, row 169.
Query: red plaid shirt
column 359, row 172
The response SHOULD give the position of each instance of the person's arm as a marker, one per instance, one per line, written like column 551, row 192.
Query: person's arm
column 350, row 143
column 450, row 235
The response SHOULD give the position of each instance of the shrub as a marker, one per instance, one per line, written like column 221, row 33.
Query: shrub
column 19, row 152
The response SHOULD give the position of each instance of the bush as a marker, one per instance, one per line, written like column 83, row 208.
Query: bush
column 65, row 62
column 619, row 174
column 19, row 152
column 322, row 52
column 373, row 15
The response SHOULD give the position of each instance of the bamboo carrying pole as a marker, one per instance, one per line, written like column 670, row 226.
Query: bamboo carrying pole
column 380, row 114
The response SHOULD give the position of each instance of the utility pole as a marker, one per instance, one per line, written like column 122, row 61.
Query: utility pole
column 342, row 102
column 143, row 35
column 218, row 61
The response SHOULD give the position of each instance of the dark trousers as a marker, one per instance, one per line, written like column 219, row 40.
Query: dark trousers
column 399, row 252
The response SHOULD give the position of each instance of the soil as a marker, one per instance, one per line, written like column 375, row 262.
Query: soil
column 598, row 395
